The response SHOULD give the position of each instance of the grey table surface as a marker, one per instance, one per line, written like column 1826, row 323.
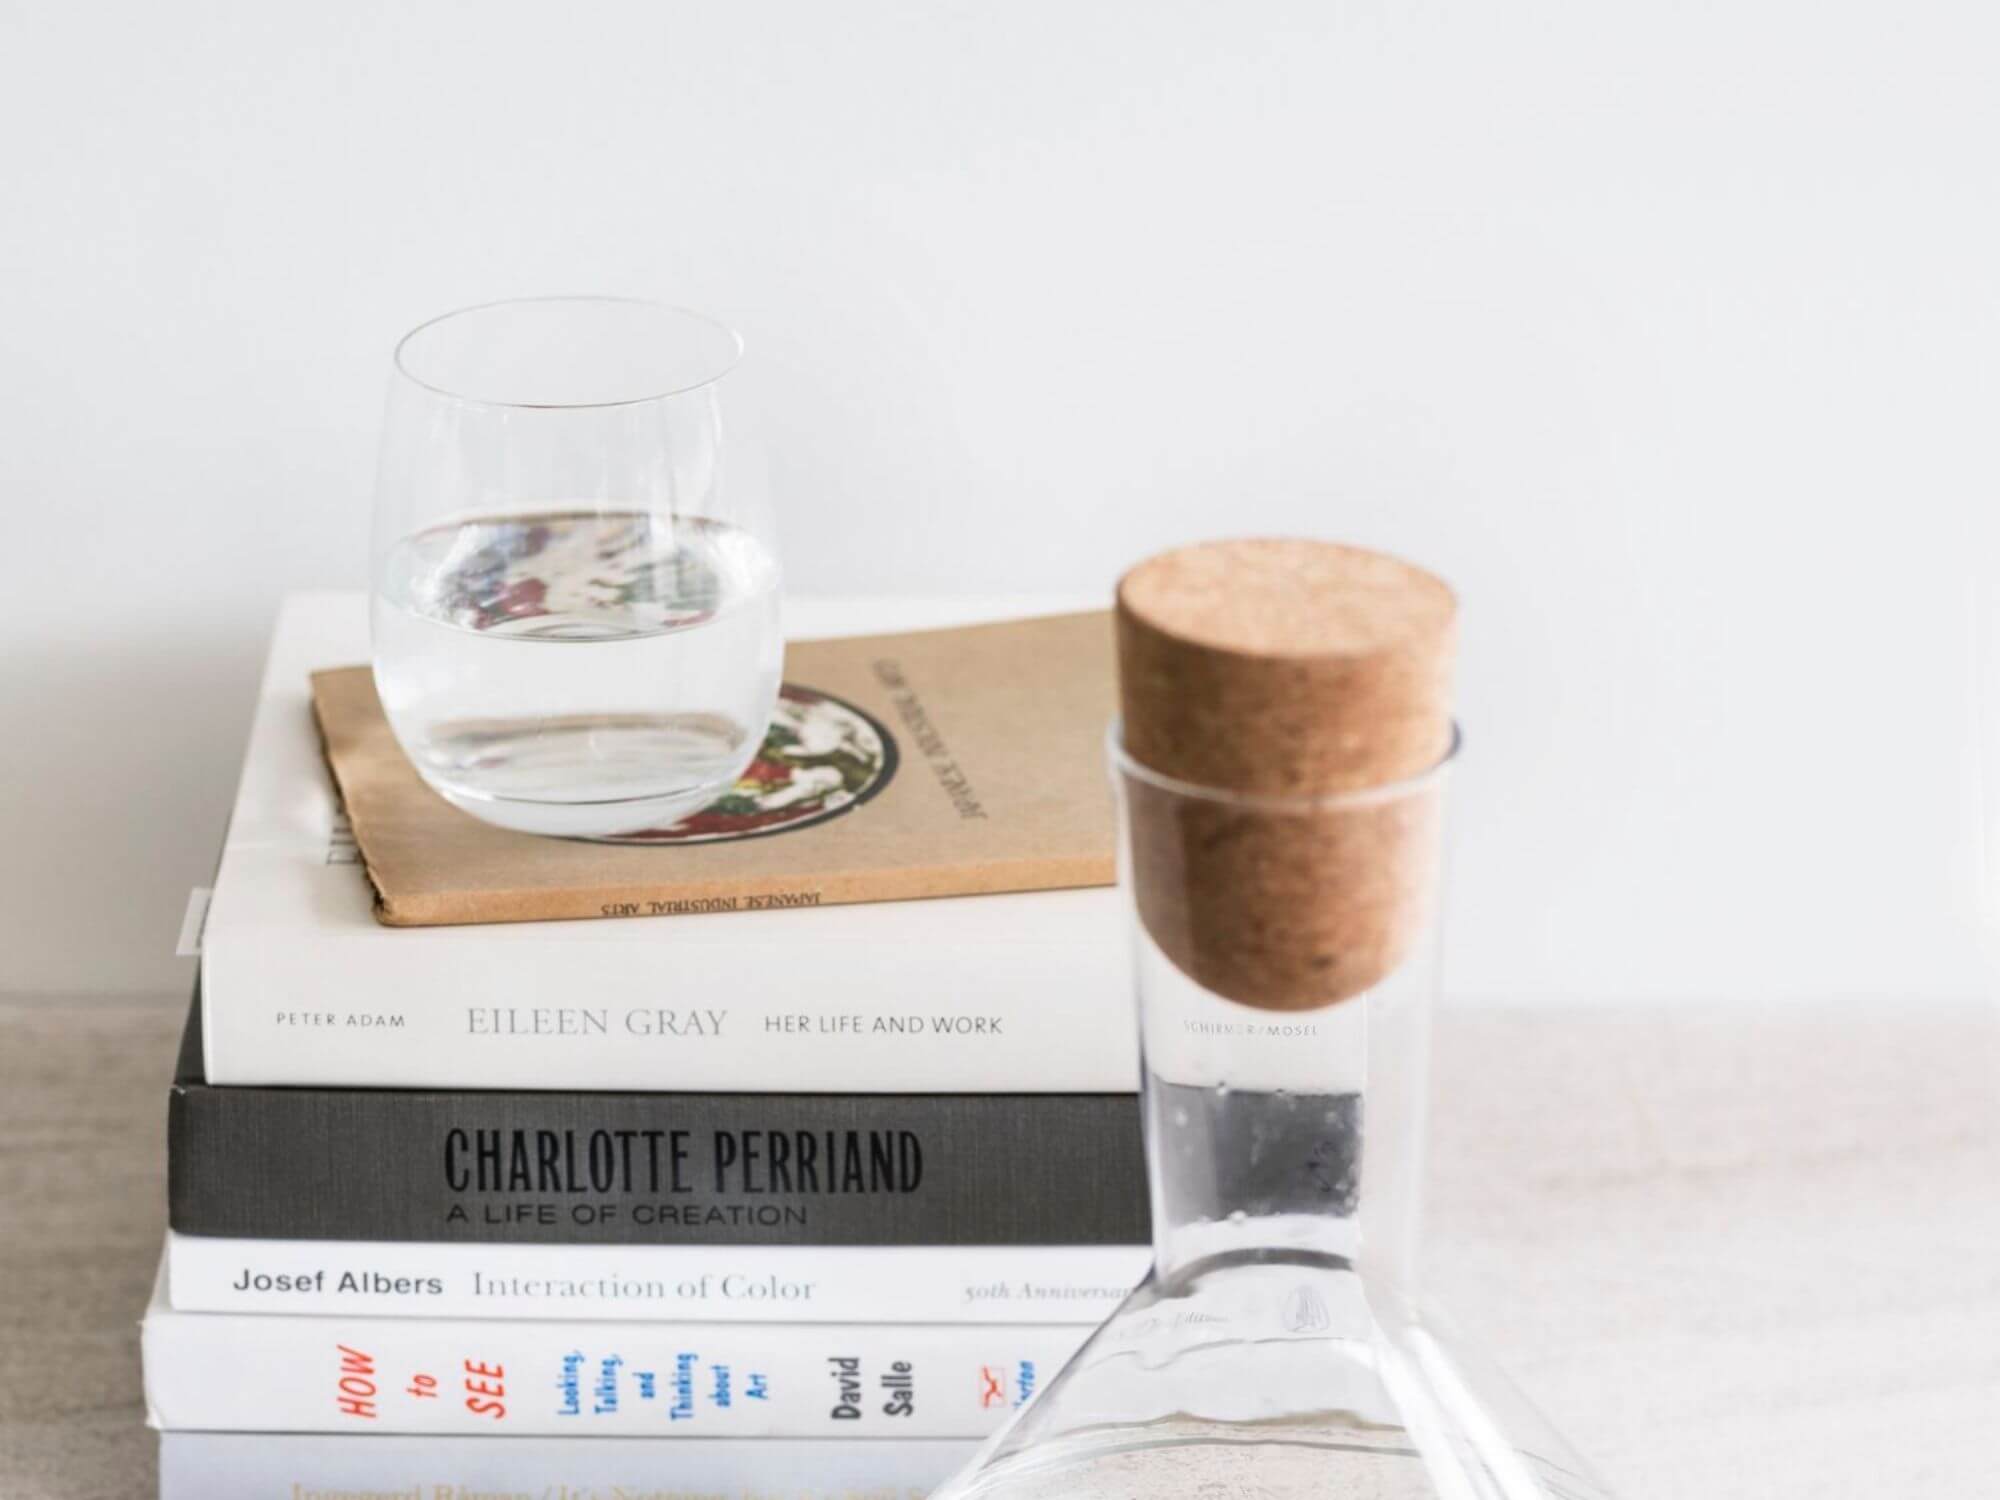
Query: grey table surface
column 1749, row 1253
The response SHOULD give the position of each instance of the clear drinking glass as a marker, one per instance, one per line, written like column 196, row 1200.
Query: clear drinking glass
column 575, row 579
column 1278, row 1347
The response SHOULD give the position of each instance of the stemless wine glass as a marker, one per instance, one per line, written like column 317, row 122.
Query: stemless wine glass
column 575, row 598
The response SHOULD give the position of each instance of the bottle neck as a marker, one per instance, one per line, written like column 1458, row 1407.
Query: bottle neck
column 1276, row 1136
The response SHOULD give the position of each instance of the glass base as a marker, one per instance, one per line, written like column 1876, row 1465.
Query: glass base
column 1274, row 1376
column 606, row 818
column 1234, row 1465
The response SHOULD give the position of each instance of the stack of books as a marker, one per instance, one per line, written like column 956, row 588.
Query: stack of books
column 805, row 1170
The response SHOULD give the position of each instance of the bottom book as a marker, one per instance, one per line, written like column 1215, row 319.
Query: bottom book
column 264, row 1372
column 313, row 1466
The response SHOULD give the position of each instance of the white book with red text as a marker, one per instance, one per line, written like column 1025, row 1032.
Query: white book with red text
column 273, row 1372
column 301, row 985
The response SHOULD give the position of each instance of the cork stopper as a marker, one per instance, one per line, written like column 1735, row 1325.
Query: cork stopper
column 1284, row 669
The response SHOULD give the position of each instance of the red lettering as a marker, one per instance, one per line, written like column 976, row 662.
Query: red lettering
column 356, row 1396
column 485, row 1389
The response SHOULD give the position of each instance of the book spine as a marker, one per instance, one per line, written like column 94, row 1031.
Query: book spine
column 217, row 1372
column 700, row 1169
column 653, row 1283
column 534, row 1008
column 288, row 1466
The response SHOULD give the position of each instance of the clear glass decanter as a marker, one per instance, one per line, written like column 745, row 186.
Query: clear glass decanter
column 1277, row 1348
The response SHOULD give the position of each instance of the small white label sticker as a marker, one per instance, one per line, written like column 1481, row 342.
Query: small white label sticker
column 192, row 922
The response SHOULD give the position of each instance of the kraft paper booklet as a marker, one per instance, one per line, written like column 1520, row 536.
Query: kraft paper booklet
column 940, row 763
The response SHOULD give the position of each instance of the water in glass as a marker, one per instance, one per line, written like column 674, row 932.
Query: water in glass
column 588, row 673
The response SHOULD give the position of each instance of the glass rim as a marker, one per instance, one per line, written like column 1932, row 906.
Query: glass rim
column 1388, row 791
column 650, row 304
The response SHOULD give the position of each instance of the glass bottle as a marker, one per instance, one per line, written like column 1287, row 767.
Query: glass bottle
column 1278, row 1346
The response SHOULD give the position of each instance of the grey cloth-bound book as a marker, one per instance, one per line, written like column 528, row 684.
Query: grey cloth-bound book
column 632, row 1168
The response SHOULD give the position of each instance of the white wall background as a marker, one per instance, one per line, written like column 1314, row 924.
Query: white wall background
column 1667, row 332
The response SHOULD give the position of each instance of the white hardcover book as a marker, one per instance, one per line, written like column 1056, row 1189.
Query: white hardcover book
column 1011, row 993
column 272, row 1372
column 384, row 1466
column 655, row 1283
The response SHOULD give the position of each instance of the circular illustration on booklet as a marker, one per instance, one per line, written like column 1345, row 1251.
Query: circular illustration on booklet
column 821, row 757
